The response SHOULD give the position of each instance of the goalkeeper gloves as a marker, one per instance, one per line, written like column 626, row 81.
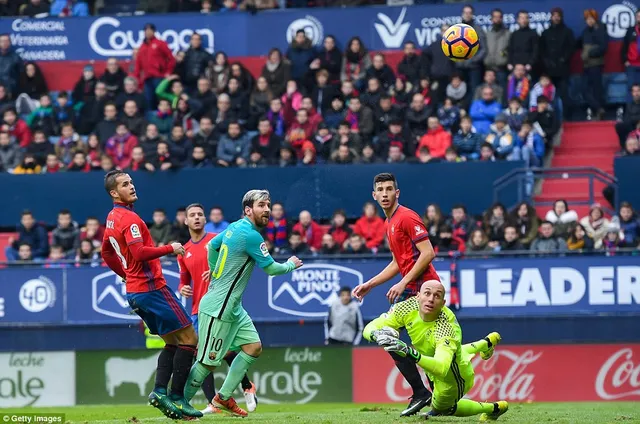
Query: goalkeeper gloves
column 384, row 331
column 402, row 349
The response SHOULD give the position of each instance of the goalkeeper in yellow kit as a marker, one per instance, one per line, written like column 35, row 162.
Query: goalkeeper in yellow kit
column 438, row 349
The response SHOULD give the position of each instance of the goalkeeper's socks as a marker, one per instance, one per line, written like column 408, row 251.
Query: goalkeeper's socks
column 208, row 387
column 164, row 368
column 467, row 408
column 182, row 362
column 238, row 369
column 409, row 371
column 197, row 376
column 477, row 346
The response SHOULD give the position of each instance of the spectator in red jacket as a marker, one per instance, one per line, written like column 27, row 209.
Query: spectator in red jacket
column 340, row 230
column 310, row 230
column 370, row 226
column 154, row 62
column 437, row 139
column 16, row 127
column 120, row 146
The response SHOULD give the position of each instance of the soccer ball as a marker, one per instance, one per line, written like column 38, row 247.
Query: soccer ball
column 460, row 42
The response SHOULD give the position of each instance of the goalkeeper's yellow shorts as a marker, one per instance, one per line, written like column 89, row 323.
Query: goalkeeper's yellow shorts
column 449, row 390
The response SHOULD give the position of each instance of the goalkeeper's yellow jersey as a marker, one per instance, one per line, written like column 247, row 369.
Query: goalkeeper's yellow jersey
column 443, row 334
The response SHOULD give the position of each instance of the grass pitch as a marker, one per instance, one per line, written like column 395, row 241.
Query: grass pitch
column 343, row 413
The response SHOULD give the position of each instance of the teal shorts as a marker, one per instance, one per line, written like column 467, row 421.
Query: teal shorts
column 216, row 337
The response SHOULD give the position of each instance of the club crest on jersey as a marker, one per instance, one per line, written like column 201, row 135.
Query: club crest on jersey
column 264, row 249
column 212, row 355
column 393, row 229
column 419, row 230
column 189, row 255
column 135, row 231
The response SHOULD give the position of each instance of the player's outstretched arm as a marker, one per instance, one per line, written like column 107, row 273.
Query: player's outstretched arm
column 390, row 271
column 276, row 268
column 257, row 249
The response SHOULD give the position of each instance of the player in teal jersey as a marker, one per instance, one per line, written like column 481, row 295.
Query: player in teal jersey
column 223, row 323
column 438, row 349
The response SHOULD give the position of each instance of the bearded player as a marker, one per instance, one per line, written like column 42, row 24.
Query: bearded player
column 412, row 255
column 438, row 349
column 224, row 323
column 129, row 251
column 194, row 269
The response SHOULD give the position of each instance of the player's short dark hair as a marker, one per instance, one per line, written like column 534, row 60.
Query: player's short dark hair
column 110, row 182
column 195, row 205
column 64, row 212
column 384, row 177
column 159, row 210
column 345, row 289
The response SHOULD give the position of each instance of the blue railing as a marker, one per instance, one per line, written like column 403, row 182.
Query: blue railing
column 524, row 177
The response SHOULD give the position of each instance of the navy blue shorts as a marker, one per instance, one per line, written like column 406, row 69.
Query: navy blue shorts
column 160, row 310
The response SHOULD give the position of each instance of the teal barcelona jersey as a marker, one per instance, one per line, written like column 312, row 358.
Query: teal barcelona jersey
column 232, row 256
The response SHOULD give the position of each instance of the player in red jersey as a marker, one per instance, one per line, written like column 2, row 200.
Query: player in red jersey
column 412, row 255
column 128, row 250
column 194, row 268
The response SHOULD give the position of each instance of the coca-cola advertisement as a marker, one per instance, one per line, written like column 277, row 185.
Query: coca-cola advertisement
column 525, row 373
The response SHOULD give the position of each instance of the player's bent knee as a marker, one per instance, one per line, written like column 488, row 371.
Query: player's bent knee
column 187, row 336
column 253, row 349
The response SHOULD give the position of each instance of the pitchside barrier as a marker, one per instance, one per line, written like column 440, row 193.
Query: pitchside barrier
column 523, row 373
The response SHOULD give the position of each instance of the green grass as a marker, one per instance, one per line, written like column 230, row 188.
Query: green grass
column 346, row 413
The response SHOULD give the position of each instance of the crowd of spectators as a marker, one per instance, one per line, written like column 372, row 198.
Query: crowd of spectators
column 497, row 230
column 307, row 106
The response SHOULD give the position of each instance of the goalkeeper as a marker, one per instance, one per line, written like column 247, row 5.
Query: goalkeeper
column 437, row 348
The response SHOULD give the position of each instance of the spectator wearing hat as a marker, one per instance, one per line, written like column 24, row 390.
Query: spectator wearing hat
column 596, row 224
column 502, row 139
column 437, row 139
column 594, row 41
column 497, row 51
column 630, row 54
column 154, row 62
column 557, row 44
